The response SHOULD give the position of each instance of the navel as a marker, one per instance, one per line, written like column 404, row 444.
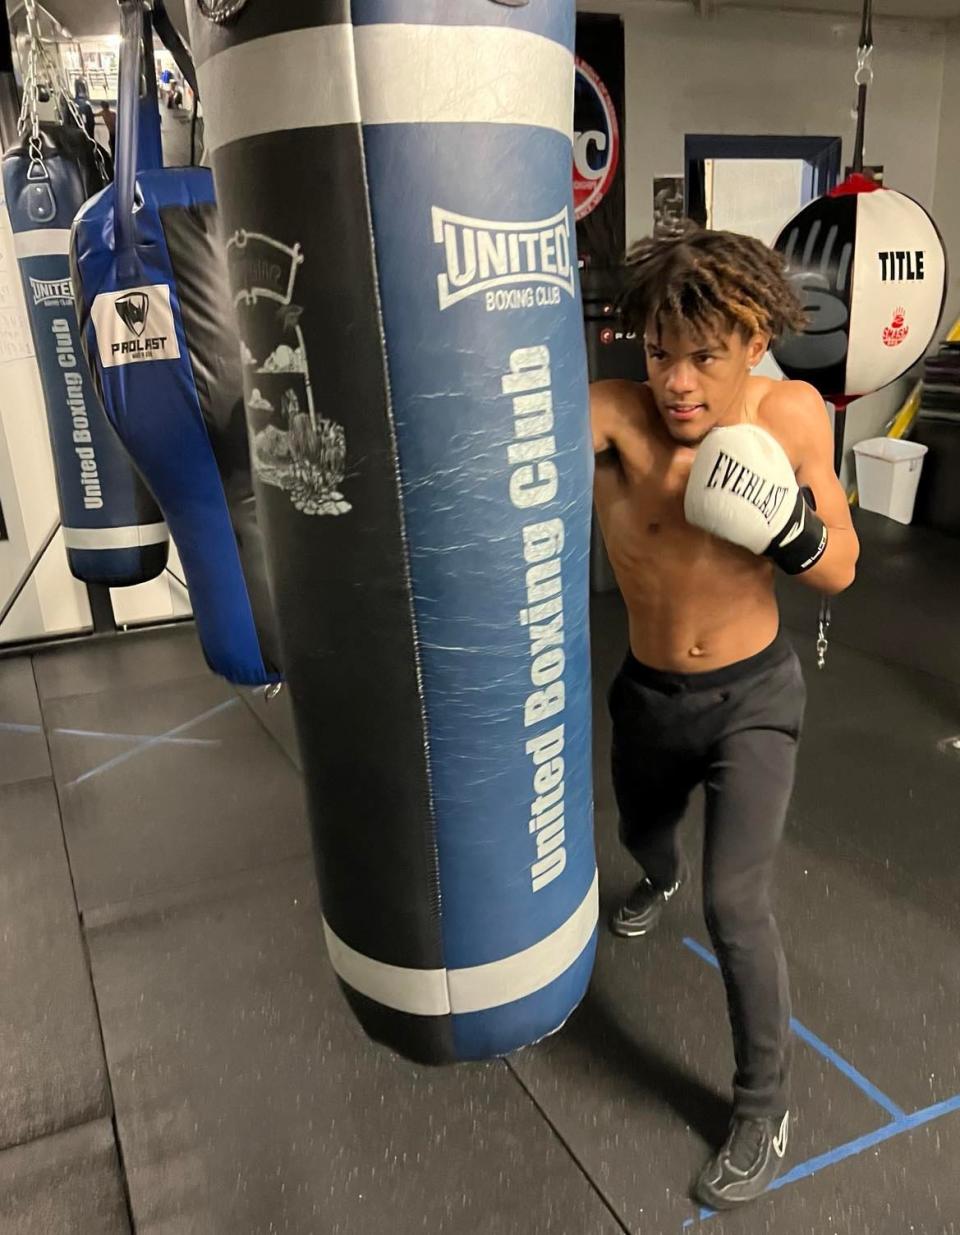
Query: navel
column 697, row 651
column 653, row 527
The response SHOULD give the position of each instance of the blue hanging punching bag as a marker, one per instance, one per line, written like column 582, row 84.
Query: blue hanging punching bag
column 154, row 307
column 113, row 531
column 394, row 184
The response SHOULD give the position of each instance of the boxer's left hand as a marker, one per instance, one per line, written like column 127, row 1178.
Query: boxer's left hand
column 742, row 488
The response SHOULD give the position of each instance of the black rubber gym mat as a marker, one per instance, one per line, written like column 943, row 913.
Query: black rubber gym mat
column 68, row 1184
column 879, row 777
column 52, row 1072
column 905, row 604
column 139, row 658
column 23, row 748
column 189, row 787
column 248, row 1100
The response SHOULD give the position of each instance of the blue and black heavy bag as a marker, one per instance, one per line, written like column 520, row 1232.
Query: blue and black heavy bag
column 112, row 529
column 154, row 309
column 394, row 184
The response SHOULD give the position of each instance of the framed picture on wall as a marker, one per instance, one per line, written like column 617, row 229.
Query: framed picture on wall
column 668, row 205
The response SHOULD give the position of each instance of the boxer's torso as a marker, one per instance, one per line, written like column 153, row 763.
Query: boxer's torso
column 694, row 602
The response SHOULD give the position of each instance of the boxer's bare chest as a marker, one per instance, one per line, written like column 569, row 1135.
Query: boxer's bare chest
column 694, row 601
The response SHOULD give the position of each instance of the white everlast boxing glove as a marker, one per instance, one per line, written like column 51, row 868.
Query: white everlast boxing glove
column 742, row 488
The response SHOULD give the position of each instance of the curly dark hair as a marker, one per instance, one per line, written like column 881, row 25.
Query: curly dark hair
column 709, row 280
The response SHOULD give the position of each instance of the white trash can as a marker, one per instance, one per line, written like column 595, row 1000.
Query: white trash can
column 888, row 475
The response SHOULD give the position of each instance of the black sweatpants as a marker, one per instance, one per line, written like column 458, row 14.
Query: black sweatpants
column 735, row 730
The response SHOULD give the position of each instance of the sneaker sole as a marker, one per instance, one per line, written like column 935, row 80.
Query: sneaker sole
column 624, row 931
column 705, row 1195
column 724, row 1204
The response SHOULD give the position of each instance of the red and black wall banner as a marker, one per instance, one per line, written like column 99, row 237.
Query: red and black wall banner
column 598, row 152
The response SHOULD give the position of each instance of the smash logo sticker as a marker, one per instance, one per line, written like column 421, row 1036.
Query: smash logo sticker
column 897, row 331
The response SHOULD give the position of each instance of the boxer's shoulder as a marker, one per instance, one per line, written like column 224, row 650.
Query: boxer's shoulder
column 621, row 396
column 794, row 412
column 624, row 410
column 789, row 403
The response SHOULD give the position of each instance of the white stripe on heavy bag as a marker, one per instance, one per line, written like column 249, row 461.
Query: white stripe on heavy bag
column 440, row 992
column 133, row 537
column 42, row 242
column 363, row 74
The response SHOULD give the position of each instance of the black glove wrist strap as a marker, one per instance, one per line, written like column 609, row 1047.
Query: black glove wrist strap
column 802, row 543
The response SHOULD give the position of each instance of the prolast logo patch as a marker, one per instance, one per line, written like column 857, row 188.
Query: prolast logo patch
column 134, row 326
column 132, row 311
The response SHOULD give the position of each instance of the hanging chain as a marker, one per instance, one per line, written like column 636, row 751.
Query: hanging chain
column 39, row 59
column 823, row 643
column 863, row 80
column 864, row 73
column 29, row 109
column 58, row 73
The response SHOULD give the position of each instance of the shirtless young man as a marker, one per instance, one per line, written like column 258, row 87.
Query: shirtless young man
column 703, row 479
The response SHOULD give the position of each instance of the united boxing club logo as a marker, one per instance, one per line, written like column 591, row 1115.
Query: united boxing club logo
column 51, row 292
column 512, row 265
column 897, row 331
column 596, row 141
column 132, row 310
column 135, row 326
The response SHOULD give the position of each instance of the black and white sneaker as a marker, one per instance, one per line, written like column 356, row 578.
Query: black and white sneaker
column 640, row 913
column 747, row 1164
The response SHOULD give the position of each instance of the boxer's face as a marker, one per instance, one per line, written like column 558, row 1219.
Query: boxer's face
column 699, row 380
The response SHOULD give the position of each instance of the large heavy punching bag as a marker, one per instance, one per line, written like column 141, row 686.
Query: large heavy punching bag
column 154, row 309
column 394, row 180
column 113, row 531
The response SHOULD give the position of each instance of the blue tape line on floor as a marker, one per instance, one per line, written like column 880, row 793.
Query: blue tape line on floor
column 157, row 741
column 136, row 737
column 806, row 1035
column 10, row 727
column 887, row 1133
column 704, row 953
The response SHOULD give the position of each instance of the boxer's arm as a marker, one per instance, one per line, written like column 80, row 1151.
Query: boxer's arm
column 804, row 418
